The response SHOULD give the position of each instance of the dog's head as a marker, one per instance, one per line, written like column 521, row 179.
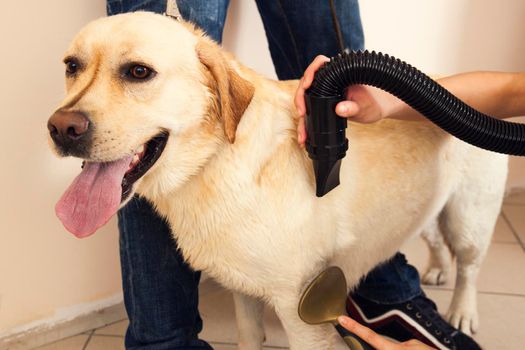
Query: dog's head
column 145, row 94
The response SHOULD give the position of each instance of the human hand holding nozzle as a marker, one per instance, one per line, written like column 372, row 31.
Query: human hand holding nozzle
column 364, row 104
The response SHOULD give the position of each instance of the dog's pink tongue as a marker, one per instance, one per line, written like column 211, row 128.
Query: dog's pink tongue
column 93, row 197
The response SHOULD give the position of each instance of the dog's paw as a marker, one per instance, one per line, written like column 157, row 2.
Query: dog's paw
column 435, row 276
column 464, row 320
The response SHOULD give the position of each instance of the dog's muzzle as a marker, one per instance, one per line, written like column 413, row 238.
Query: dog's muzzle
column 71, row 132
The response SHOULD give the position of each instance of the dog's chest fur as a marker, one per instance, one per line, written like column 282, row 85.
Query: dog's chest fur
column 245, row 234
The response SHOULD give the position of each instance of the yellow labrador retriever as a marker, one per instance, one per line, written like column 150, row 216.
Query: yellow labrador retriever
column 156, row 108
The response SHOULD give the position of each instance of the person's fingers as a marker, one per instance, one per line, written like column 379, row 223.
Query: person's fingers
column 416, row 345
column 299, row 99
column 347, row 109
column 309, row 73
column 301, row 131
column 413, row 342
column 304, row 84
column 369, row 336
column 306, row 81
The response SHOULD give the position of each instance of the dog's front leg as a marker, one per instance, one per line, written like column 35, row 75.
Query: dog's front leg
column 249, row 315
column 302, row 336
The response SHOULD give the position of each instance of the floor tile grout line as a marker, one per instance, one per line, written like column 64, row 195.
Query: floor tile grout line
column 93, row 331
column 234, row 344
column 88, row 340
column 112, row 323
column 108, row 335
column 218, row 342
column 448, row 289
column 514, row 232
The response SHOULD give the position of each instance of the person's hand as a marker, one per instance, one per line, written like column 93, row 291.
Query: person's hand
column 364, row 104
column 377, row 341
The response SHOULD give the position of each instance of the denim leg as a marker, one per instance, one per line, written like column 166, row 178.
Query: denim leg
column 209, row 15
column 160, row 289
column 393, row 282
column 297, row 31
column 114, row 7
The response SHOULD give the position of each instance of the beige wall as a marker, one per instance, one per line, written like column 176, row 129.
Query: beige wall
column 43, row 270
column 450, row 36
column 46, row 272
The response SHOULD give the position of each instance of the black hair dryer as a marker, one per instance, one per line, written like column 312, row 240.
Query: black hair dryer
column 326, row 142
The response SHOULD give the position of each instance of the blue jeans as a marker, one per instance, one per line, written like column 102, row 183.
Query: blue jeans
column 160, row 290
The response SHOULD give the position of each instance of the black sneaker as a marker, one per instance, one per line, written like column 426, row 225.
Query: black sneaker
column 417, row 318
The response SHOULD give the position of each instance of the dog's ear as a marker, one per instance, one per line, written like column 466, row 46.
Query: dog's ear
column 234, row 93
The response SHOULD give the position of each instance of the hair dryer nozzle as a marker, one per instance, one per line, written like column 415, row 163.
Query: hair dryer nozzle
column 326, row 176
column 326, row 142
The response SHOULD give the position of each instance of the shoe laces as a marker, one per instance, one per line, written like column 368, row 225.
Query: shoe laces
column 426, row 312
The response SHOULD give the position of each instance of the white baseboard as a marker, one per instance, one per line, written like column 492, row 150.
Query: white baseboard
column 66, row 323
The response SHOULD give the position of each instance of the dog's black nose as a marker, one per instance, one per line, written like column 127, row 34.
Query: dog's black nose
column 69, row 131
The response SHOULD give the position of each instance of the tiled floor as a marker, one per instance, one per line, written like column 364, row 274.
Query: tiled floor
column 501, row 297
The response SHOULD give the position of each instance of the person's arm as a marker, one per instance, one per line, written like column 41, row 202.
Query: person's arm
column 499, row 94
column 377, row 341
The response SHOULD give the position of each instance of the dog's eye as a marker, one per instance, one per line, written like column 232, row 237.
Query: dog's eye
column 71, row 66
column 139, row 72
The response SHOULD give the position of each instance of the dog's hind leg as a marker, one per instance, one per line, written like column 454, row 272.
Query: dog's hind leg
column 249, row 315
column 467, row 223
column 438, row 269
